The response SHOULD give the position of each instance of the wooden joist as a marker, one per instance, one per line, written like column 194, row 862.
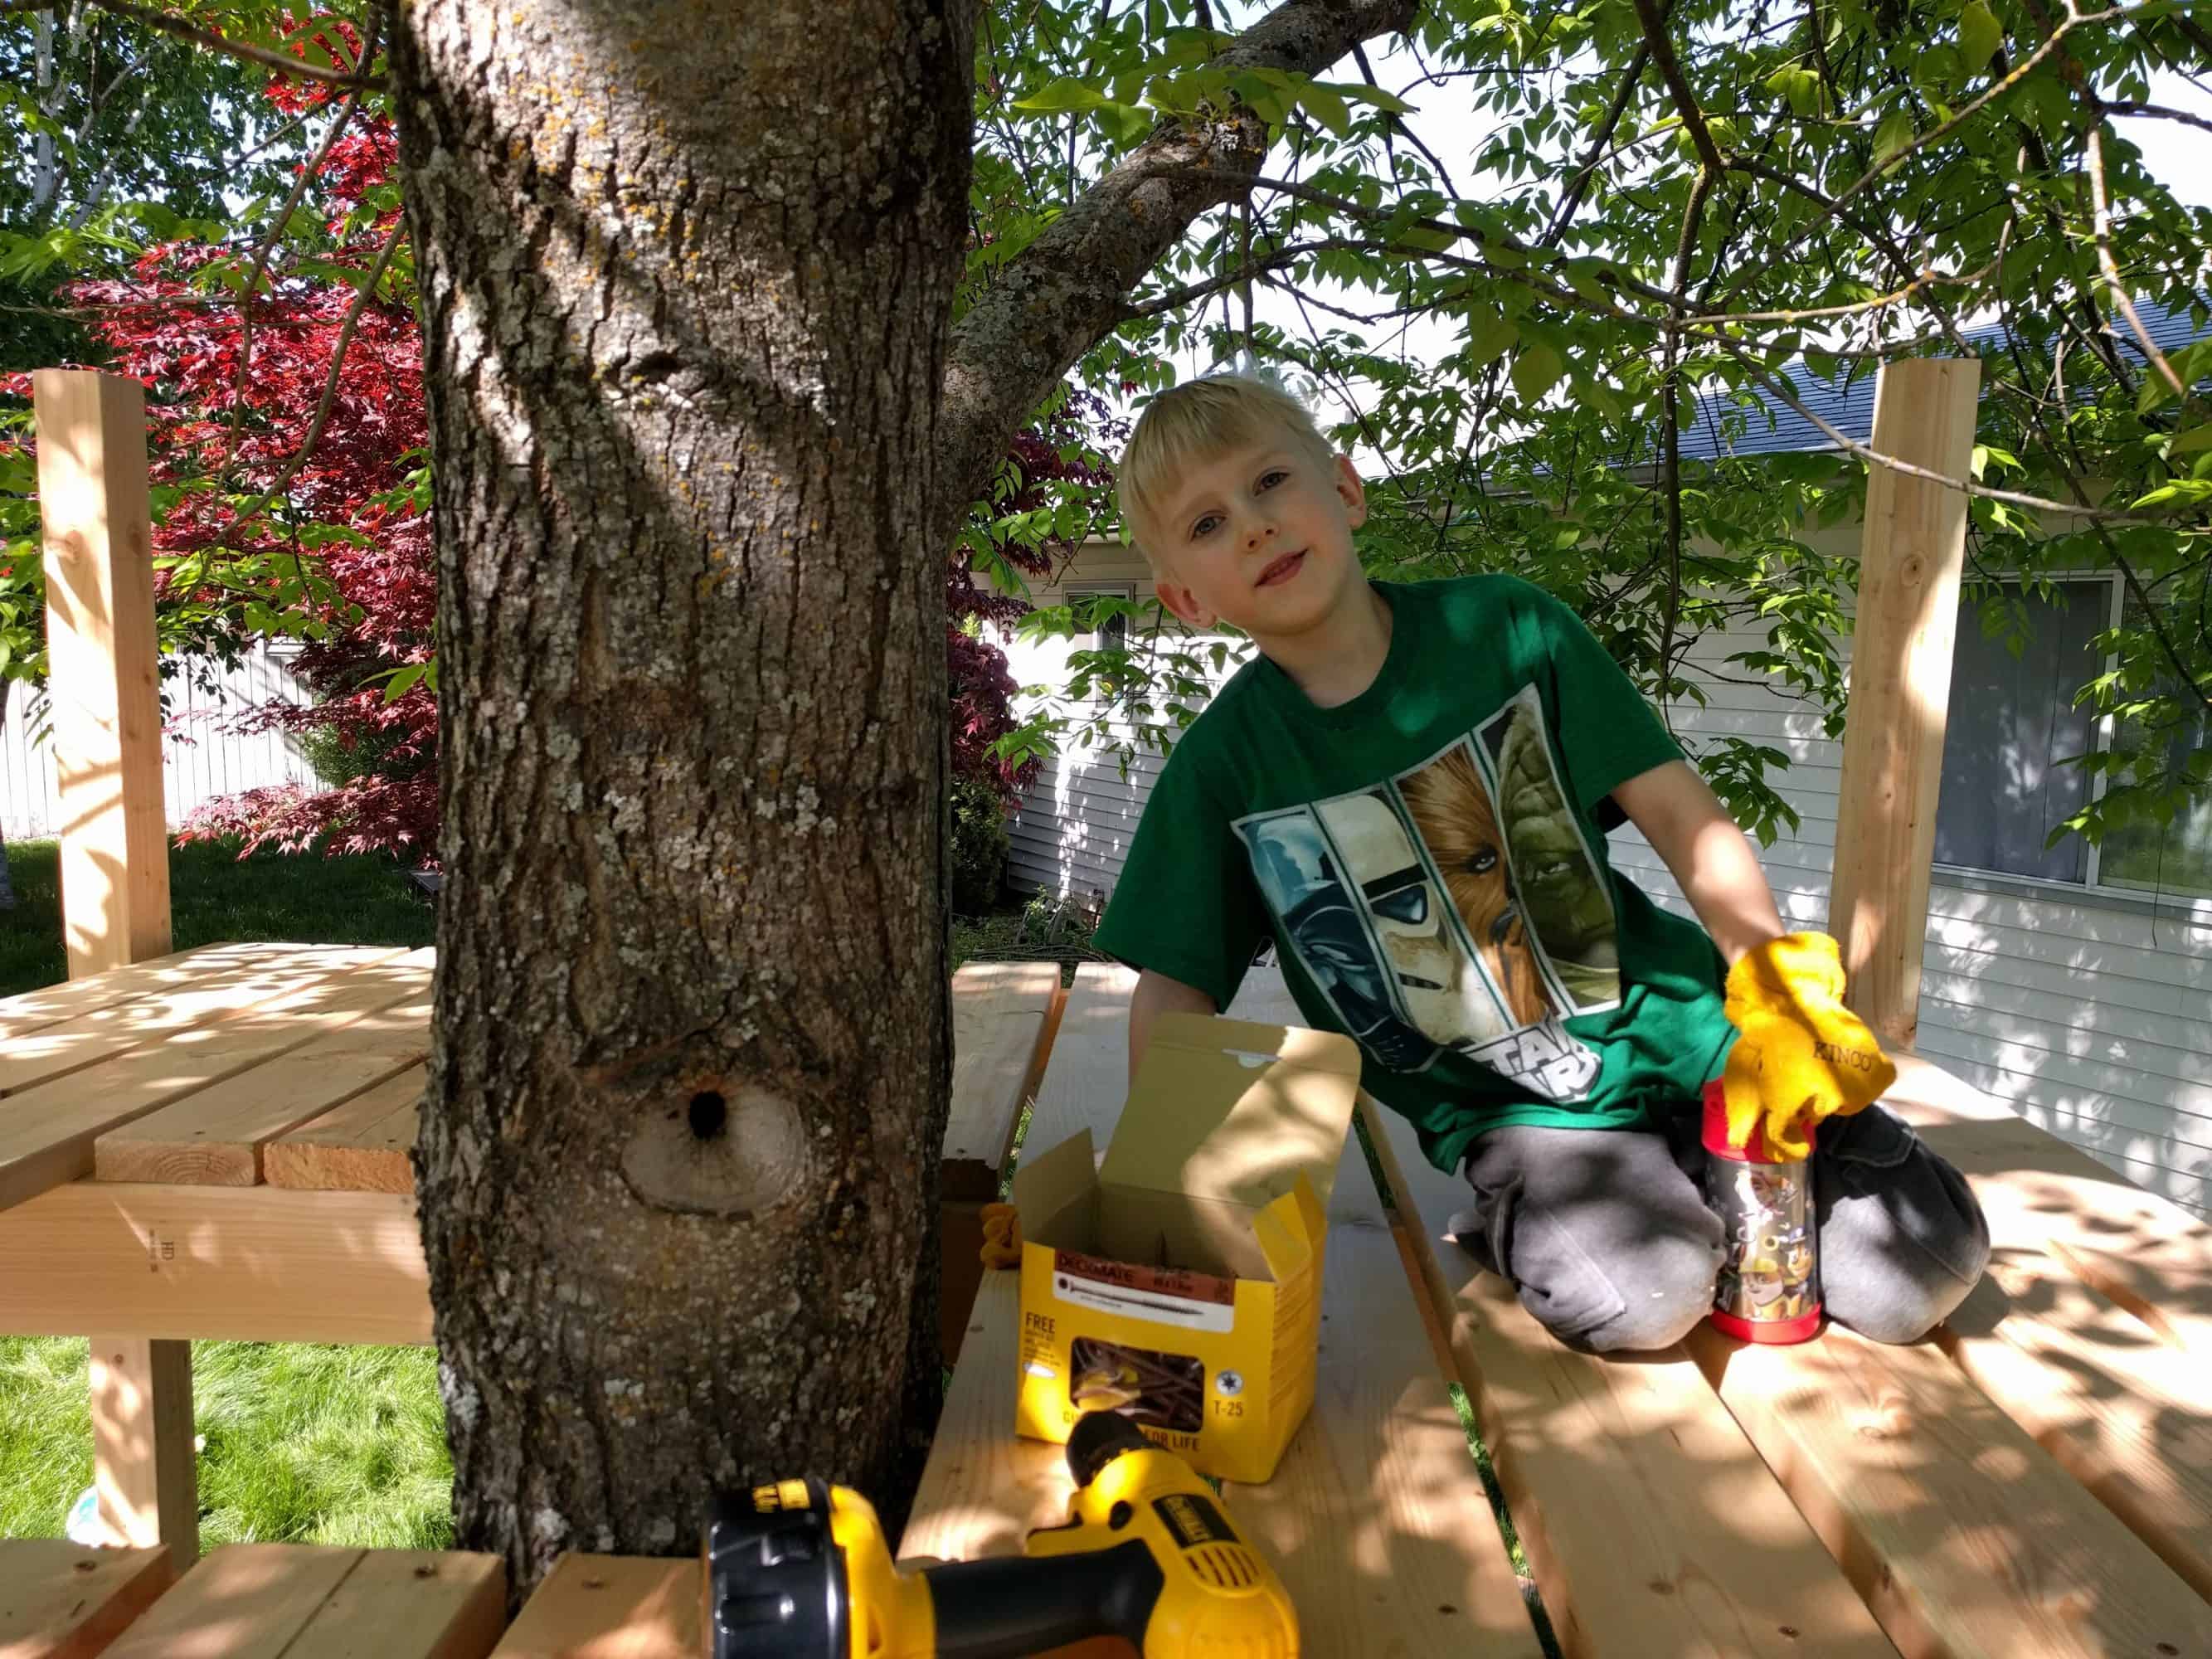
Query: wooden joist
column 216, row 1136
column 284, row 1601
column 247, row 1264
column 47, row 1135
column 61, row 1600
column 361, row 1146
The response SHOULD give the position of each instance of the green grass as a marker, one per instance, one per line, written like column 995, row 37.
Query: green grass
column 213, row 896
column 303, row 1444
column 307, row 1444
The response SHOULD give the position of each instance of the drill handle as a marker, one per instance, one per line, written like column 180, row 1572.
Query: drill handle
column 1011, row 1606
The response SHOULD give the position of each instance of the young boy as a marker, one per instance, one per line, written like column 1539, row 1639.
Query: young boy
column 1406, row 789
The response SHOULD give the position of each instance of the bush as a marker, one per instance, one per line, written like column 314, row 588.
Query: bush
column 979, row 846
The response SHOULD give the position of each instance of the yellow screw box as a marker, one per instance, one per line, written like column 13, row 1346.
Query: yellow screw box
column 1179, row 1282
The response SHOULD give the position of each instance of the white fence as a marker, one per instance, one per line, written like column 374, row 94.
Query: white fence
column 199, row 761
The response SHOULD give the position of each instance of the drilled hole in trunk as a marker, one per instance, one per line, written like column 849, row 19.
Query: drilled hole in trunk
column 708, row 1113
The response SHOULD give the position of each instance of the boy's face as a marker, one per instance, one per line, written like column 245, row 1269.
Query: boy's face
column 1260, row 536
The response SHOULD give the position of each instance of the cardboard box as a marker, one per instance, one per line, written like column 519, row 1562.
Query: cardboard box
column 1179, row 1283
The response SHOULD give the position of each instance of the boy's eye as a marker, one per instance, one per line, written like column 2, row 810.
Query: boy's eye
column 1272, row 477
column 1205, row 526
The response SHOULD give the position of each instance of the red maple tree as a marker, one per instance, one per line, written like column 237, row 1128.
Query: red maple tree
column 356, row 512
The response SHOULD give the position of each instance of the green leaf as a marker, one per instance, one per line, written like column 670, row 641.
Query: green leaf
column 1979, row 32
column 2189, row 443
column 1059, row 96
column 1365, row 94
column 1536, row 371
column 1327, row 108
column 1893, row 135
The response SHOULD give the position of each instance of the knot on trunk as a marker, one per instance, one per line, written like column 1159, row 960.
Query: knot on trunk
column 718, row 1150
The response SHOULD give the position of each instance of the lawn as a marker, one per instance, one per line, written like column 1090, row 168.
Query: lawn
column 303, row 1443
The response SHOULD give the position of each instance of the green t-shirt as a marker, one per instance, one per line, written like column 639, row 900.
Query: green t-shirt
column 1489, row 977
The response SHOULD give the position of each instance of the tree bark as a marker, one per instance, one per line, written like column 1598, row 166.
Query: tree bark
column 686, row 277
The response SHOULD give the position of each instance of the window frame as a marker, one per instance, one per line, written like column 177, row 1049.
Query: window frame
column 2091, row 885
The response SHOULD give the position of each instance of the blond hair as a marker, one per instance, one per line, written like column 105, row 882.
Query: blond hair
column 1188, row 425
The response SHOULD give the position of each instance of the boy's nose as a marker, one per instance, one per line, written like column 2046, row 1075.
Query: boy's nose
column 1258, row 532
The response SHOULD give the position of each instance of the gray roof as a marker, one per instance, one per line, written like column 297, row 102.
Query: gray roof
column 1772, row 427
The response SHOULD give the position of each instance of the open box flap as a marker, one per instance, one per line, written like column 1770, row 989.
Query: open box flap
column 1231, row 1111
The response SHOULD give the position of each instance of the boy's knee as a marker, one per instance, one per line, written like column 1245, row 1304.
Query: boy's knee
column 1903, row 1240
column 1645, row 1297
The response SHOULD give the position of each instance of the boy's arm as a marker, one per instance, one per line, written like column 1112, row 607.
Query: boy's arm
column 1692, row 832
column 1157, row 994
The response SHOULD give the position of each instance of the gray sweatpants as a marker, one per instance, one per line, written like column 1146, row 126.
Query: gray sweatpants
column 1606, row 1238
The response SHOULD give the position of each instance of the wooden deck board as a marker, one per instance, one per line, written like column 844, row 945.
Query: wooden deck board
column 249, row 982
column 215, row 1136
column 47, row 1134
column 283, row 1601
column 363, row 1145
column 998, row 1011
column 50, row 1004
column 61, row 1600
column 1964, row 1536
column 610, row 1606
column 1652, row 1525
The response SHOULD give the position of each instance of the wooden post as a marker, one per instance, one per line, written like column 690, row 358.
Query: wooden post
column 142, row 1445
column 1914, row 549
column 102, row 667
column 103, row 674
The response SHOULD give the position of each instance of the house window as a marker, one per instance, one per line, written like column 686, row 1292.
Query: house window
column 1111, row 633
column 2012, row 730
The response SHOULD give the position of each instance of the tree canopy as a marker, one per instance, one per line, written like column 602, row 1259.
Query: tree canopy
column 1516, row 248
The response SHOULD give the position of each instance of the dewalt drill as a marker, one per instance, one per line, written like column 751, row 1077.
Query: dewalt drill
column 802, row 1571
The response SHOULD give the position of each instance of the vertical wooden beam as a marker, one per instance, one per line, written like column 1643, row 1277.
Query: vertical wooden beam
column 102, row 667
column 142, row 1445
column 1914, row 549
column 103, row 681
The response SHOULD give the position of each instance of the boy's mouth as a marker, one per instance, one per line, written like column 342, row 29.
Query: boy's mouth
column 1281, row 570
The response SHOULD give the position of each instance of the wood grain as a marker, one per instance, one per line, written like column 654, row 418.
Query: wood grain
column 47, row 1134
column 1964, row 1536
column 144, row 1462
column 103, row 681
column 248, row 1264
column 286, row 1601
column 998, row 1011
column 61, row 1600
column 33, row 1011
column 1651, row 1523
column 1376, row 1518
column 1912, row 551
column 361, row 1146
column 238, row 986
column 217, row 1135
column 610, row 1606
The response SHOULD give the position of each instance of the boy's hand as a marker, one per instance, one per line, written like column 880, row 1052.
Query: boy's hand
column 1802, row 1056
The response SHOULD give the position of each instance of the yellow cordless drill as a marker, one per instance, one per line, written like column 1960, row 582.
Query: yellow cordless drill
column 800, row 1569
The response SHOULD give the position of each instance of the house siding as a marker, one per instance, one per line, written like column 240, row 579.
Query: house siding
column 2090, row 1017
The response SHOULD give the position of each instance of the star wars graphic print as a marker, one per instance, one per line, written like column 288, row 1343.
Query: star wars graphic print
column 1455, row 908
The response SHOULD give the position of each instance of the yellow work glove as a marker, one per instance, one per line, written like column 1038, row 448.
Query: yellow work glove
column 1803, row 1056
column 1002, row 1237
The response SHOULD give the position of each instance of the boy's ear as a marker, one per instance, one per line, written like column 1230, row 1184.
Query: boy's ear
column 1184, row 603
column 1350, row 491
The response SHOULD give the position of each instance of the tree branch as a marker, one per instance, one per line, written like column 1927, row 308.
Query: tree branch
column 2102, row 202
column 1066, row 290
column 1686, row 101
column 146, row 17
column 1580, row 183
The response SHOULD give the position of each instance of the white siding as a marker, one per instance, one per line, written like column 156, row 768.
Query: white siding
column 2090, row 1016
column 199, row 761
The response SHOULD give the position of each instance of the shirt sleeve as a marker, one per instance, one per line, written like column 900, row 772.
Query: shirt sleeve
column 1185, row 905
column 1608, row 733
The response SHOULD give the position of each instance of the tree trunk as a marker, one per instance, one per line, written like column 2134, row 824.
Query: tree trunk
column 686, row 279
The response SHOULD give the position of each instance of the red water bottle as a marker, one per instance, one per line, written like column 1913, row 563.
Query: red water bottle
column 1769, row 1289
